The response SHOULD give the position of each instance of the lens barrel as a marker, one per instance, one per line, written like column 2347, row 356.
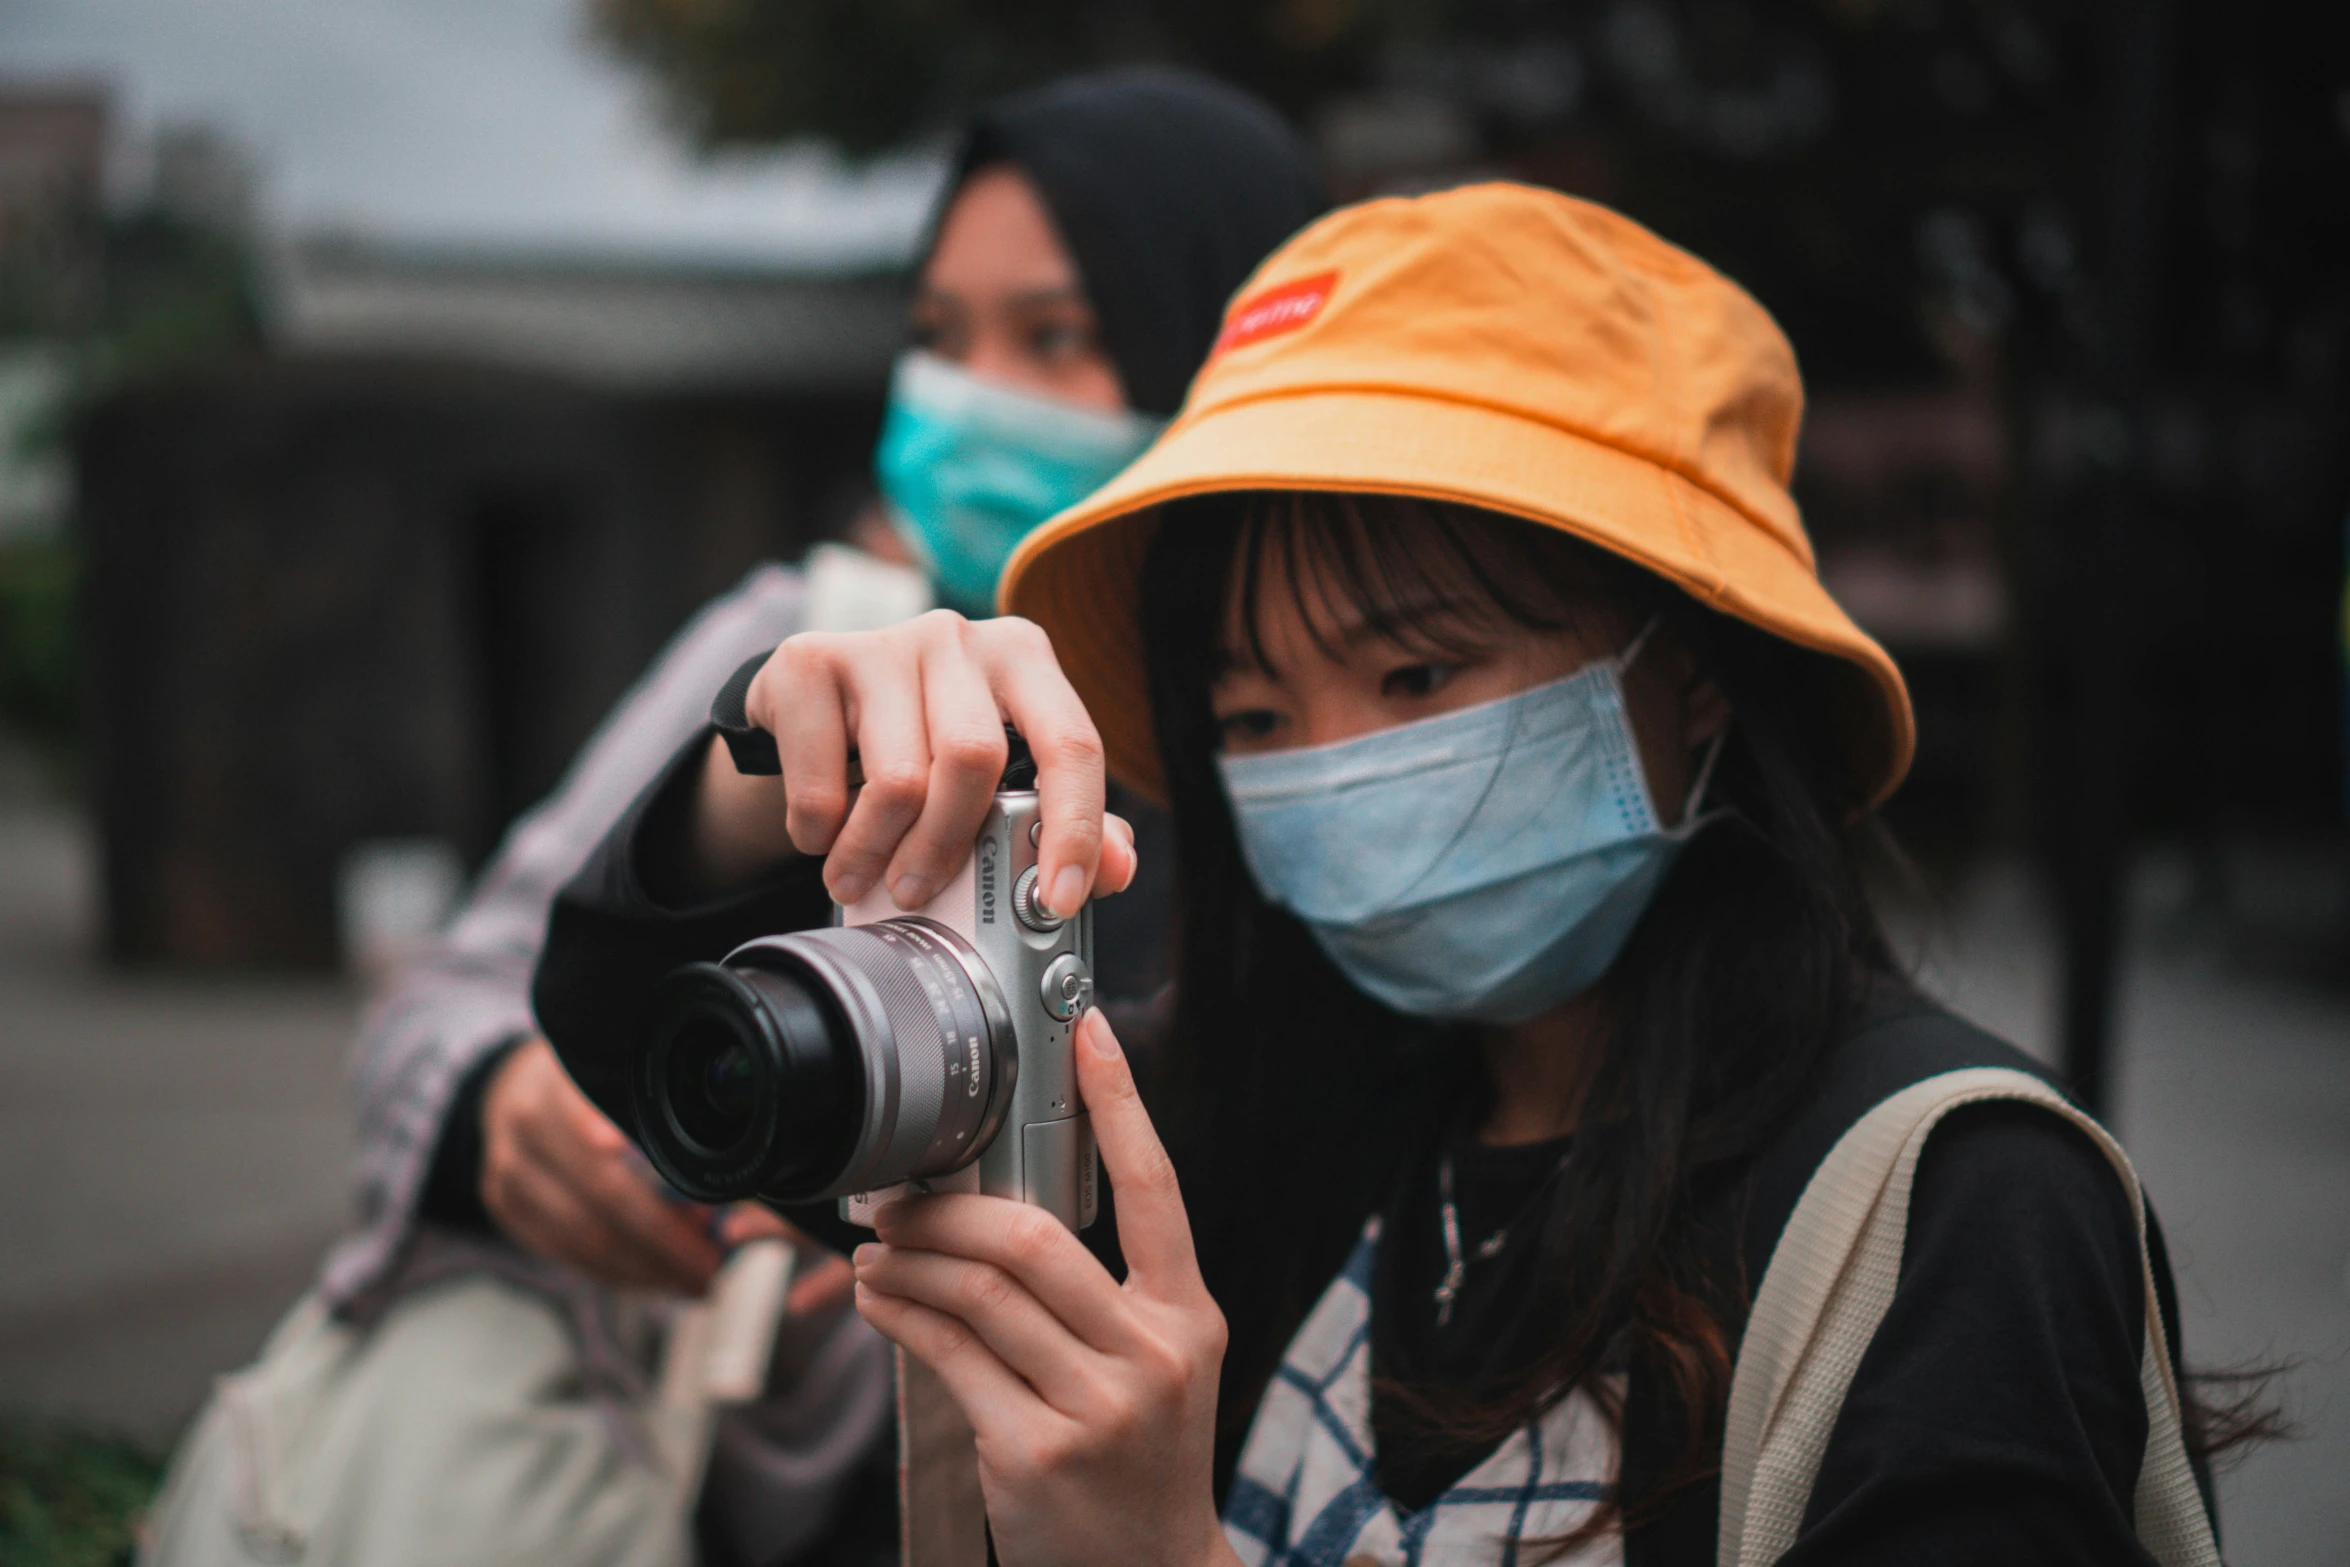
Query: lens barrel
column 824, row 1063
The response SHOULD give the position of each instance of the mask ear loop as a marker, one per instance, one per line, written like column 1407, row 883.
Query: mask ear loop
column 1705, row 773
column 1639, row 640
column 1713, row 749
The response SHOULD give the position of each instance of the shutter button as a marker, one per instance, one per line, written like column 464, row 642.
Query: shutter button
column 1067, row 987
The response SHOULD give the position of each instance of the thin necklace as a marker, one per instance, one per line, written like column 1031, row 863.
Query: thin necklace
column 1456, row 1265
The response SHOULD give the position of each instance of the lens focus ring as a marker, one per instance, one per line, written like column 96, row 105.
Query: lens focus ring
column 932, row 1039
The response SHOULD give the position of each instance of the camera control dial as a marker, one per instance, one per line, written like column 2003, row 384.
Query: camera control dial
column 1067, row 987
column 1027, row 906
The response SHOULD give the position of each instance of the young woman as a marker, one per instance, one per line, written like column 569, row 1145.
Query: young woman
column 1526, row 975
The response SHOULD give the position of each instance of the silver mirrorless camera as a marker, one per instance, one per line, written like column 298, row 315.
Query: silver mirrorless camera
column 933, row 1050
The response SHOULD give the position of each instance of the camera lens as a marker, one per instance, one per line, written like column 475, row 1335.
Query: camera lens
column 747, row 1082
column 710, row 1083
column 824, row 1062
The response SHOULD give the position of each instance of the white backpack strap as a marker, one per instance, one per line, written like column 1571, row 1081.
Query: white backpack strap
column 1829, row 1285
column 718, row 1353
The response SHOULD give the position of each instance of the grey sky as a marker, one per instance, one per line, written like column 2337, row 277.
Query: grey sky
column 486, row 124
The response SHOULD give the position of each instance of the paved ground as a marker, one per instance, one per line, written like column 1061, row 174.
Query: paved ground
column 175, row 1154
column 174, row 1150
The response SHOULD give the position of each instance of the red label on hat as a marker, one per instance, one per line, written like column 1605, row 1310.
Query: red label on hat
column 1275, row 311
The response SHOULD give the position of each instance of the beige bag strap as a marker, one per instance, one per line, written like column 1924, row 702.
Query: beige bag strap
column 942, row 1515
column 718, row 1353
column 1829, row 1285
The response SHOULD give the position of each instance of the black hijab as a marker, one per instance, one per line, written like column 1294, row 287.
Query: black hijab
column 1168, row 187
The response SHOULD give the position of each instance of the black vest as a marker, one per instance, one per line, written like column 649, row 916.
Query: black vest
column 1887, row 1055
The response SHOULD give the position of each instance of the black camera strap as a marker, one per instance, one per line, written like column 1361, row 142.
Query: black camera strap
column 753, row 748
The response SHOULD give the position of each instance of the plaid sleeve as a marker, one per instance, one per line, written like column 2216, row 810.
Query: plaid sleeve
column 470, row 991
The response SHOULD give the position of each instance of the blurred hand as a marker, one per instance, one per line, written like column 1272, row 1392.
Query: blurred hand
column 1094, row 1401
column 563, row 1182
column 923, row 705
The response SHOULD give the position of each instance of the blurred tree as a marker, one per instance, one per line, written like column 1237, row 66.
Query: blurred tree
column 870, row 74
column 1854, row 161
column 153, row 291
column 179, row 293
column 36, row 639
column 1905, row 182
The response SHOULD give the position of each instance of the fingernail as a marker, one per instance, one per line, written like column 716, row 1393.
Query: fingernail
column 911, row 891
column 865, row 1256
column 1068, row 891
column 1098, row 1036
column 848, row 888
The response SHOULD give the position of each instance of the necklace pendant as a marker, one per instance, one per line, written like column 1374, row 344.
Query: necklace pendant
column 1448, row 1291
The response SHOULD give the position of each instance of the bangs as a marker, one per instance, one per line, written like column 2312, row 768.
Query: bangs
column 1428, row 575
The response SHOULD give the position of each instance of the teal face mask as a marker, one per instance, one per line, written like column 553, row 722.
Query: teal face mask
column 970, row 467
column 1481, row 866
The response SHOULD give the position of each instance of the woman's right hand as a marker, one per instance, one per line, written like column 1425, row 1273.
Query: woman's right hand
column 922, row 706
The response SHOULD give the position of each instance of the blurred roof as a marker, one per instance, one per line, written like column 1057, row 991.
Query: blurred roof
column 644, row 323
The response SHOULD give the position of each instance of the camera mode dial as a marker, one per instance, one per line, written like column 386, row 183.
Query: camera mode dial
column 1028, row 909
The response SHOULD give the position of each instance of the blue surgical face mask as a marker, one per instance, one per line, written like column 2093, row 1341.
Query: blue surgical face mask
column 1481, row 866
column 969, row 467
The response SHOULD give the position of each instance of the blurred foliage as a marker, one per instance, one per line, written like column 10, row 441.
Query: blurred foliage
column 47, row 285
column 1902, row 182
column 71, row 1498
column 36, row 638
column 176, row 294
column 869, row 74
column 1799, row 144
column 132, row 295
column 148, row 294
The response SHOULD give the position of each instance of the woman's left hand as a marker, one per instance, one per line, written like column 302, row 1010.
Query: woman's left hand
column 1094, row 1401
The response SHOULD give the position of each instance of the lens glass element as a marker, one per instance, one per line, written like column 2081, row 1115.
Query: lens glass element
column 745, row 1081
column 710, row 1084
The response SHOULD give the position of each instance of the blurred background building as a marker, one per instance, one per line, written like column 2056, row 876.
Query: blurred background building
column 379, row 387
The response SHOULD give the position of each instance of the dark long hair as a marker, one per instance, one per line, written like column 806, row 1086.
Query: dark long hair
column 1293, row 1097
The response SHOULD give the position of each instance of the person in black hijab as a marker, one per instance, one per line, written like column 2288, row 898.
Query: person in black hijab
column 1168, row 188
column 1075, row 278
column 454, row 1388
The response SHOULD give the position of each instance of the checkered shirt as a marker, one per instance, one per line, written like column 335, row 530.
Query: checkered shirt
column 1306, row 1494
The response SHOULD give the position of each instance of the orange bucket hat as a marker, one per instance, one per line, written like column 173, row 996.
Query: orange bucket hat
column 1501, row 347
